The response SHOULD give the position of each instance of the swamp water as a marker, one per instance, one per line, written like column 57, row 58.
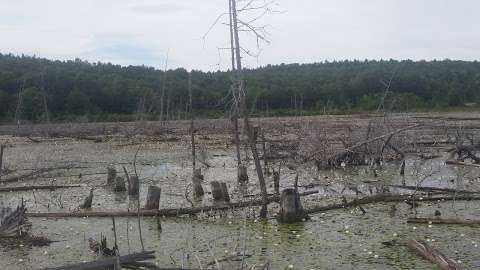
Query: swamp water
column 338, row 239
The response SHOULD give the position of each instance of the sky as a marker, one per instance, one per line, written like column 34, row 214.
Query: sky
column 147, row 32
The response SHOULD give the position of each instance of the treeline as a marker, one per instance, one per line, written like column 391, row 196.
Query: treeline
column 34, row 89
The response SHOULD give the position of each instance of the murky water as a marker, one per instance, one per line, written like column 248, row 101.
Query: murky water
column 340, row 239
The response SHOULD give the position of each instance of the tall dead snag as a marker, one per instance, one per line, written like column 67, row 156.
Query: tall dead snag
column 1, row 160
column 240, row 94
column 433, row 255
column 197, row 176
column 153, row 198
column 242, row 173
column 192, row 126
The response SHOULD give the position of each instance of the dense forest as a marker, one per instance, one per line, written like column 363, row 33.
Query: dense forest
column 37, row 89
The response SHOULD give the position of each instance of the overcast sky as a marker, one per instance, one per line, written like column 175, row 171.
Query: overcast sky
column 143, row 31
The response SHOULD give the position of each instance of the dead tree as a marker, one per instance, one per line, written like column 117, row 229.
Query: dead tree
column 164, row 86
column 153, row 198
column 192, row 124
column 197, row 176
column 1, row 160
column 19, row 105
column 239, row 89
column 44, row 97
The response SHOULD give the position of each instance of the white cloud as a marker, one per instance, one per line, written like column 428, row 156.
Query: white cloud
column 142, row 31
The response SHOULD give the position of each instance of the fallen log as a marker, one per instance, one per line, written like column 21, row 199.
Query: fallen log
column 388, row 198
column 108, row 263
column 460, row 163
column 33, row 174
column 26, row 188
column 433, row 255
column 174, row 212
column 171, row 212
column 433, row 189
column 443, row 221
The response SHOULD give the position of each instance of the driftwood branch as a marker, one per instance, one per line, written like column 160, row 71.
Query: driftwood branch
column 443, row 221
column 174, row 212
column 108, row 263
column 433, row 255
column 33, row 174
column 388, row 198
column 434, row 189
column 26, row 188
column 460, row 163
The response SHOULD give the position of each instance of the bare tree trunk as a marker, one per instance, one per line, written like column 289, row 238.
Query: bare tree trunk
column 44, row 94
column 19, row 106
column 167, row 109
column 164, row 86
column 242, row 175
column 1, row 159
column 192, row 126
column 265, row 158
column 242, row 94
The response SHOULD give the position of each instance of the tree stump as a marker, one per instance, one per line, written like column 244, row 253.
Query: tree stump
column 291, row 209
column 276, row 182
column 242, row 174
column 87, row 204
column 197, row 179
column 134, row 186
column 220, row 191
column 153, row 198
column 111, row 175
column 119, row 184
